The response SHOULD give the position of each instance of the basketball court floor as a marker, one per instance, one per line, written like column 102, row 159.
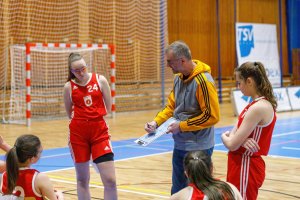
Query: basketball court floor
column 145, row 172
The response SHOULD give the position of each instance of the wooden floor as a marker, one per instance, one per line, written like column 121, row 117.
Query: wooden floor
column 150, row 177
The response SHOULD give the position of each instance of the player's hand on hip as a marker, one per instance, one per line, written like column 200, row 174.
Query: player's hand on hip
column 174, row 128
column 150, row 126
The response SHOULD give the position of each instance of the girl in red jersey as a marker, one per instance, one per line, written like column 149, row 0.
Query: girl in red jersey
column 87, row 100
column 20, row 180
column 198, row 169
column 251, row 137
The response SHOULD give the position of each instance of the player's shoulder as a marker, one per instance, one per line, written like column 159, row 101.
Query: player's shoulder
column 185, row 193
column 41, row 179
column 67, row 84
column 262, row 105
column 101, row 78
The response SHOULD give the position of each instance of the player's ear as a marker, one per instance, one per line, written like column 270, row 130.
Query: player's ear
column 249, row 81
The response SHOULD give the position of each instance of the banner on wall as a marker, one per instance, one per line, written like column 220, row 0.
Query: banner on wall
column 240, row 101
column 258, row 42
column 294, row 95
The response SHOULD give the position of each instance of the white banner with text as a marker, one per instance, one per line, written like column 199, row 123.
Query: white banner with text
column 258, row 42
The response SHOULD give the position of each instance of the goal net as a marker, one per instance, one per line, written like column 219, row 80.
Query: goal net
column 38, row 75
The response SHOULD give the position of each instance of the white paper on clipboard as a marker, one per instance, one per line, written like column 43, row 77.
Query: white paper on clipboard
column 150, row 137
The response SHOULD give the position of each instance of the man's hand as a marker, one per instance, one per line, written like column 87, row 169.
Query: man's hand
column 174, row 128
column 150, row 126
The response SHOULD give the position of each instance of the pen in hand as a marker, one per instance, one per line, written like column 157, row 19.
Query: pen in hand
column 150, row 128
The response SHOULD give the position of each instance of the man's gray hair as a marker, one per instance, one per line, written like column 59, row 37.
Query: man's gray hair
column 179, row 49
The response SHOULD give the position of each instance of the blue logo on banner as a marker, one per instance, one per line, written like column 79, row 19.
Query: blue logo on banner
column 278, row 95
column 247, row 99
column 297, row 94
column 246, row 39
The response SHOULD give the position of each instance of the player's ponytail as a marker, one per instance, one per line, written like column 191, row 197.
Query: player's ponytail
column 12, row 169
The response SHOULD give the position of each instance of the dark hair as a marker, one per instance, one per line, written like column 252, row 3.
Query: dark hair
column 257, row 71
column 72, row 58
column 26, row 147
column 198, row 167
column 179, row 49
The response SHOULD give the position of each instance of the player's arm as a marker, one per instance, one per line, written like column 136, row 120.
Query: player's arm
column 44, row 185
column 252, row 118
column 105, row 92
column 232, row 131
column 3, row 145
column 209, row 104
column 67, row 99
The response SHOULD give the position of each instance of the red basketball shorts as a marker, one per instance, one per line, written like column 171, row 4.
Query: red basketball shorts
column 88, row 138
column 246, row 173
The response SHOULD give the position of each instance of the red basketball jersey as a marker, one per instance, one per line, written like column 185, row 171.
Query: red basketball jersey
column 87, row 100
column 25, row 184
column 262, row 134
column 197, row 194
column 246, row 170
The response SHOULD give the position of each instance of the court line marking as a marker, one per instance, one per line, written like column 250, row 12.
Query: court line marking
column 118, row 188
column 158, row 141
column 56, row 155
column 123, row 159
column 291, row 148
column 287, row 133
column 101, row 185
column 141, row 147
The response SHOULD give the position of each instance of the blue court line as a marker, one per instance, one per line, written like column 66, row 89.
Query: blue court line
column 285, row 143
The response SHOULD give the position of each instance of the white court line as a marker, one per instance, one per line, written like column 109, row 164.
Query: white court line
column 284, row 134
column 134, row 146
column 278, row 123
column 63, row 154
column 291, row 148
column 155, row 154
column 220, row 144
column 141, row 147
column 122, row 190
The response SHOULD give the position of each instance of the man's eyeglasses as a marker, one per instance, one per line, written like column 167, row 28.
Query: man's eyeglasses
column 77, row 71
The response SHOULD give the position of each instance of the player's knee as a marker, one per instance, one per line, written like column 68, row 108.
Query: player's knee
column 110, row 182
column 83, row 181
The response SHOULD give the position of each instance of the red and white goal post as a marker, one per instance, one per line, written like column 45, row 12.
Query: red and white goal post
column 47, row 71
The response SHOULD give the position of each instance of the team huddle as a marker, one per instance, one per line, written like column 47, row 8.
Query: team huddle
column 193, row 102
